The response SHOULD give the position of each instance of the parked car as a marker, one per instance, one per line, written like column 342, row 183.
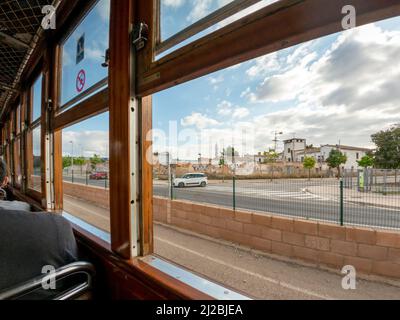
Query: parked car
column 98, row 176
column 191, row 180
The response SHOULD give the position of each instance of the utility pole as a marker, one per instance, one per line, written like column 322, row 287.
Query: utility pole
column 276, row 139
column 169, row 176
column 223, row 165
column 293, row 142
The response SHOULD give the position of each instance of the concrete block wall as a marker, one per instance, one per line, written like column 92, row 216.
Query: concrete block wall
column 97, row 195
column 375, row 252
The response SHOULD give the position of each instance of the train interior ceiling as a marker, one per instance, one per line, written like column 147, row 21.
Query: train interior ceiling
column 84, row 85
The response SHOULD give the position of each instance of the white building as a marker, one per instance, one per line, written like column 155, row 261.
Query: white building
column 353, row 154
column 291, row 147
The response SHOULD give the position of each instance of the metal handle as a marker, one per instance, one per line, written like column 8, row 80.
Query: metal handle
column 60, row 274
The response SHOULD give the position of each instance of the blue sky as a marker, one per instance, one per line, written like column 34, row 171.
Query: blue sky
column 338, row 88
column 335, row 89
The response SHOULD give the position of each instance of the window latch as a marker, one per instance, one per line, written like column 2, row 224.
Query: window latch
column 140, row 35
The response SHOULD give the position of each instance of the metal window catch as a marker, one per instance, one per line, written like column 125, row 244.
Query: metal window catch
column 140, row 35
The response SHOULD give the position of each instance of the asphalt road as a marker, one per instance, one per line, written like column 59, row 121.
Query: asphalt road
column 288, row 198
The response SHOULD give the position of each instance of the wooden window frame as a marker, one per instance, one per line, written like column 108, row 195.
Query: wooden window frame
column 17, row 137
column 77, row 101
column 30, row 126
column 76, row 110
column 195, row 28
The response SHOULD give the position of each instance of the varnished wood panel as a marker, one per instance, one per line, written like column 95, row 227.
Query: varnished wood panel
column 146, row 176
column 120, row 141
column 92, row 106
column 121, row 279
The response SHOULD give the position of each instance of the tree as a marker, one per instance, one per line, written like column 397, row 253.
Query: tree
column 309, row 163
column 66, row 162
column 270, row 156
column 387, row 154
column 222, row 160
column 335, row 159
column 366, row 161
column 95, row 160
column 80, row 161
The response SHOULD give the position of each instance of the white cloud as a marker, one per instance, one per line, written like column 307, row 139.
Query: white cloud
column 173, row 3
column 240, row 113
column 199, row 120
column 103, row 8
column 224, row 108
column 200, row 9
column 86, row 143
column 216, row 80
column 347, row 93
column 263, row 65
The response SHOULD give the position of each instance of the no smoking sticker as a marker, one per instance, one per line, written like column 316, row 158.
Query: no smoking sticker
column 80, row 81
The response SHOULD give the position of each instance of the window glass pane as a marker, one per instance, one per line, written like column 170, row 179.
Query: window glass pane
column 262, row 132
column 35, row 163
column 84, row 53
column 17, row 162
column 175, row 16
column 37, row 99
column 85, row 149
column 179, row 14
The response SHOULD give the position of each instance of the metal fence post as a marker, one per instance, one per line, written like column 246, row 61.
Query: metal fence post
column 87, row 181
column 171, row 187
column 341, row 204
column 234, row 192
column 72, row 176
column 105, row 182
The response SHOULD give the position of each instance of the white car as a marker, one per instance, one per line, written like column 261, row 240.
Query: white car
column 191, row 179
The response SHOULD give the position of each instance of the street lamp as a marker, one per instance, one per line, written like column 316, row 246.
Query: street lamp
column 72, row 159
column 72, row 154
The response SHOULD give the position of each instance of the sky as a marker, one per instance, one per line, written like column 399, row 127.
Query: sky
column 340, row 88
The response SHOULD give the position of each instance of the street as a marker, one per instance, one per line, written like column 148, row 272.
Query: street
column 287, row 197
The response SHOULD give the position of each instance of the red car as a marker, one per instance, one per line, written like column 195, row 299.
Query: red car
column 98, row 176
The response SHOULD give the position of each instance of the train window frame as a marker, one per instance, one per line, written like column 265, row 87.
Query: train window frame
column 130, row 92
column 93, row 92
column 17, row 138
column 30, row 125
column 92, row 102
